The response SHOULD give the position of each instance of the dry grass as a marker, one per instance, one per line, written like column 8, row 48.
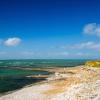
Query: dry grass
column 93, row 64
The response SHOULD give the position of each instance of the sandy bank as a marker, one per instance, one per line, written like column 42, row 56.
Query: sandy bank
column 78, row 83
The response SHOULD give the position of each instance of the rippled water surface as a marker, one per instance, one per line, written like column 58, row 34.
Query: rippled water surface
column 12, row 78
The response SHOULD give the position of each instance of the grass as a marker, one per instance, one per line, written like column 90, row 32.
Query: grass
column 93, row 63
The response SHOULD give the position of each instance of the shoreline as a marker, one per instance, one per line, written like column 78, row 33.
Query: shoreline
column 83, row 79
column 33, row 84
column 49, row 69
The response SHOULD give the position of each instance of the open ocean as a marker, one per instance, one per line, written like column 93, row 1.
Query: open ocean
column 12, row 78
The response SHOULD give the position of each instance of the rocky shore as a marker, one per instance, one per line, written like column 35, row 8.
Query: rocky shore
column 77, row 83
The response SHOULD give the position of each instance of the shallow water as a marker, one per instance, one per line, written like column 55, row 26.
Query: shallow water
column 12, row 78
column 9, row 72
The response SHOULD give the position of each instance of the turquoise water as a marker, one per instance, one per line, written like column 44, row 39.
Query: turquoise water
column 12, row 78
column 8, row 72
column 42, row 63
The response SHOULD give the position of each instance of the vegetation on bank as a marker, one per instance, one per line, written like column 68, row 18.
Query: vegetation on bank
column 93, row 63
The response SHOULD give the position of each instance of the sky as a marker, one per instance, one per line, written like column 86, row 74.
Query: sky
column 49, row 29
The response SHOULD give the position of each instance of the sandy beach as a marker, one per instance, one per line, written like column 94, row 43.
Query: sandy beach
column 78, row 83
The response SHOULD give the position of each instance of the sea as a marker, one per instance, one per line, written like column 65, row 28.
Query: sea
column 12, row 77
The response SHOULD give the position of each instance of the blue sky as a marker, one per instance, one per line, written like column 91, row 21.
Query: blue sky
column 49, row 29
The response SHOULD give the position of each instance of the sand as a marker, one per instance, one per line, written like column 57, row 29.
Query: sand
column 71, row 84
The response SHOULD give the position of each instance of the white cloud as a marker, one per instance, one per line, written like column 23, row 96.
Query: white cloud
column 12, row 41
column 87, row 45
column 79, row 54
column 2, row 53
column 1, row 41
column 82, row 54
column 27, row 53
column 84, row 45
column 92, row 29
column 64, row 53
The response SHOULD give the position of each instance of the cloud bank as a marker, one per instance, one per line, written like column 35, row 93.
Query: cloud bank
column 87, row 45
